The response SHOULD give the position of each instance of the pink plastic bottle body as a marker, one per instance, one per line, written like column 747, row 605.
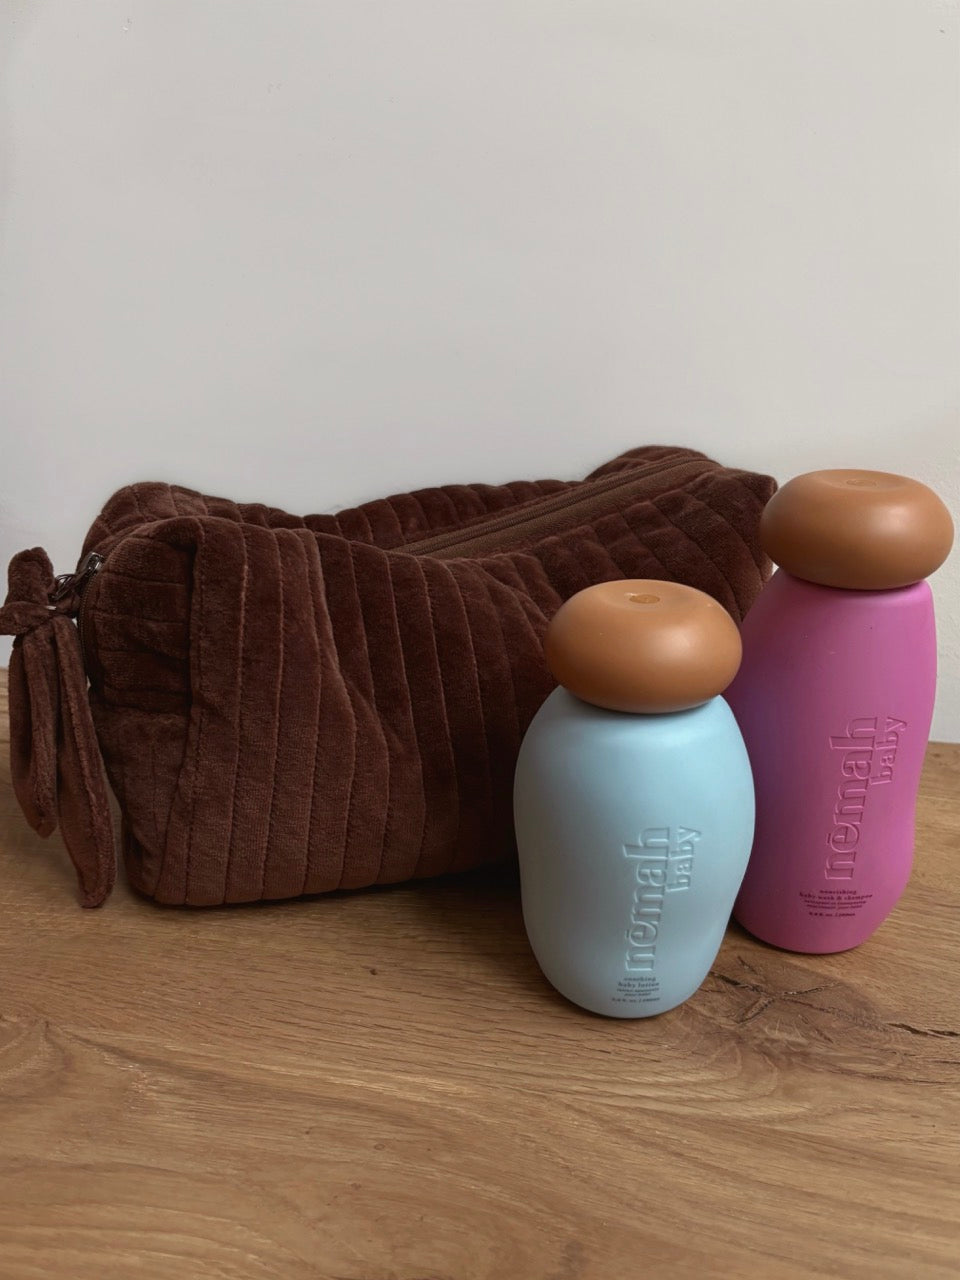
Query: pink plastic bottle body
column 834, row 700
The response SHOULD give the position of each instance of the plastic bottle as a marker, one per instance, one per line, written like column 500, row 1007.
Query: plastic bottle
column 834, row 698
column 633, row 799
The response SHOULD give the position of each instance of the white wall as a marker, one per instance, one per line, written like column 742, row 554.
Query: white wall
column 311, row 252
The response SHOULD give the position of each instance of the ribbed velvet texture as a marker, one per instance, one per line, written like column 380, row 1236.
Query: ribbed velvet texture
column 288, row 706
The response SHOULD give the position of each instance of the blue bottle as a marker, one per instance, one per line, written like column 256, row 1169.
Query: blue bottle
column 633, row 800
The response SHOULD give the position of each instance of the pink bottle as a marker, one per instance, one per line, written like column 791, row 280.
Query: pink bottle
column 834, row 700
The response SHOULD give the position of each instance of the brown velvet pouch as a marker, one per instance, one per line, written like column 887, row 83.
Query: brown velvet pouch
column 288, row 706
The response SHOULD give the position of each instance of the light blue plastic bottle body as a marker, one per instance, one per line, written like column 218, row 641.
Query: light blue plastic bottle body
column 633, row 834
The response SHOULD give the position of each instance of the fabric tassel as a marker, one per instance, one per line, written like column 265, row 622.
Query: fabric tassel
column 55, row 762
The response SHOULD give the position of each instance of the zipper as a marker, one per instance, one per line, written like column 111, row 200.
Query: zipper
column 89, row 566
column 540, row 516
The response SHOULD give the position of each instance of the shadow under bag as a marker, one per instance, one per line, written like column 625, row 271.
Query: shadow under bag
column 287, row 706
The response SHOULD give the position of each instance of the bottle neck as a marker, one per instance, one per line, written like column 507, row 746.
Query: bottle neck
column 569, row 705
column 782, row 576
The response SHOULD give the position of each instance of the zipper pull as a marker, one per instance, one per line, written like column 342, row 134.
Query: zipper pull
column 76, row 581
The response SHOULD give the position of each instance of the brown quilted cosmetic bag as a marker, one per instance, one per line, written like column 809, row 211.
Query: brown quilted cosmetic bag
column 287, row 706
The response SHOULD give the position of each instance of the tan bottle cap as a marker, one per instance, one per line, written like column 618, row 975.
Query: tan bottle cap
column 643, row 645
column 865, row 530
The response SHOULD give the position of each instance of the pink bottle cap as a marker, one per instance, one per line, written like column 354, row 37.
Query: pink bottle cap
column 865, row 530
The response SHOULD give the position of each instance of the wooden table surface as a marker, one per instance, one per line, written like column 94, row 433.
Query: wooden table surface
column 381, row 1086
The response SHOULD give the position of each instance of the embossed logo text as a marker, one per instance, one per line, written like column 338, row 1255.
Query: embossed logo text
column 664, row 864
column 869, row 747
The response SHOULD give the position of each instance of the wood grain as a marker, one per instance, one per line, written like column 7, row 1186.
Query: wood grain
column 380, row 1086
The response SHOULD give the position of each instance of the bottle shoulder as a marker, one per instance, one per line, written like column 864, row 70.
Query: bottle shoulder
column 783, row 585
column 791, row 604
column 811, row 650
column 564, row 713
